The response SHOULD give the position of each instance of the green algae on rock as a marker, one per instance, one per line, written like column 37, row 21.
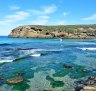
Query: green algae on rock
column 61, row 73
column 49, row 78
column 20, row 87
column 57, row 84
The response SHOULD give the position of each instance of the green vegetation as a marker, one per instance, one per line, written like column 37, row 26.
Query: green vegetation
column 66, row 28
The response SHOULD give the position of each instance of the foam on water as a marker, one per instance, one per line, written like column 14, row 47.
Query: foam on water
column 2, row 61
column 89, row 48
column 85, row 43
column 36, row 55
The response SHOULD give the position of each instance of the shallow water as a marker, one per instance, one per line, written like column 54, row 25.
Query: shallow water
column 43, row 63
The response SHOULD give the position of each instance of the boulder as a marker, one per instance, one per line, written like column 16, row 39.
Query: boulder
column 15, row 80
column 68, row 67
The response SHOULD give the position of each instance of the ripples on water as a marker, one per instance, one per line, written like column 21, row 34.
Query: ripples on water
column 40, row 62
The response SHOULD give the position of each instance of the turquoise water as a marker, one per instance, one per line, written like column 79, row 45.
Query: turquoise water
column 44, row 63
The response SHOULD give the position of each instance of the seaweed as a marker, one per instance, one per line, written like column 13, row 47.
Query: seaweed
column 20, row 87
column 57, row 84
column 49, row 78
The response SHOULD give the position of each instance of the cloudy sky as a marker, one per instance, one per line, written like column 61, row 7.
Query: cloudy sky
column 15, row 13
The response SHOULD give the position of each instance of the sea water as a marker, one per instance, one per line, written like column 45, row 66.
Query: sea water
column 41, row 63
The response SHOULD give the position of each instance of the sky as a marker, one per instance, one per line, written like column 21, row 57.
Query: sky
column 14, row 13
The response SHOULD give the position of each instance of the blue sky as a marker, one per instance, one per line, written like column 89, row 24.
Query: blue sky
column 15, row 13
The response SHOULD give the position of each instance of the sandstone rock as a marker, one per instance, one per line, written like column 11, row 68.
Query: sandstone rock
column 15, row 80
column 88, row 88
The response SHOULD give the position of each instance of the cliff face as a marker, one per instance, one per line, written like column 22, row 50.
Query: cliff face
column 69, row 31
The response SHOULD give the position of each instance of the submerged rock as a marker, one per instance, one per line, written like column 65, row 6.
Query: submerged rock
column 49, row 78
column 15, row 80
column 57, row 84
column 78, row 88
column 60, row 73
column 84, row 71
column 93, row 78
column 68, row 67
column 89, row 82
column 85, row 82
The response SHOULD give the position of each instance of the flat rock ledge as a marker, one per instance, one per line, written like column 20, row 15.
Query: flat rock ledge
column 88, row 88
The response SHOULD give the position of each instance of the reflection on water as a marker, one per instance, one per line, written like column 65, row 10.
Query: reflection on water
column 43, row 64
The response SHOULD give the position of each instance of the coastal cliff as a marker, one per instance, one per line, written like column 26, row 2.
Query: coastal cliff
column 62, row 31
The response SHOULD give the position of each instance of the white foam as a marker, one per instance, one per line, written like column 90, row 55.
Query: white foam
column 85, row 48
column 35, row 55
column 2, row 61
column 86, row 43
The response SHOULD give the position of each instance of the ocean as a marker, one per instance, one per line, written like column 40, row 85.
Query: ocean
column 45, row 64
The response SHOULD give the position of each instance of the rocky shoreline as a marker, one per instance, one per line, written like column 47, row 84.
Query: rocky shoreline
column 87, row 84
column 68, row 31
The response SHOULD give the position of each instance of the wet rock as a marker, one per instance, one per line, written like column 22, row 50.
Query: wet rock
column 84, row 71
column 93, row 78
column 68, row 67
column 85, row 82
column 88, row 88
column 78, row 88
column 19, row 59
column 89, row 82
column 15, row 80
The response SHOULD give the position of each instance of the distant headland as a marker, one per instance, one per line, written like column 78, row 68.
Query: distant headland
column 60, row 31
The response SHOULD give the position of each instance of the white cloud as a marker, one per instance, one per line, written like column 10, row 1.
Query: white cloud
column 14, row 7
column 44, row 10
column 49, row 9
column 65, row 13
column 92, row 17
column 32, row 16
column 17, row 16
column 42, row 16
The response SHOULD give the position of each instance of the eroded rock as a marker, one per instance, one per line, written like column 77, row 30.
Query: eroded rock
column 15, row 80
